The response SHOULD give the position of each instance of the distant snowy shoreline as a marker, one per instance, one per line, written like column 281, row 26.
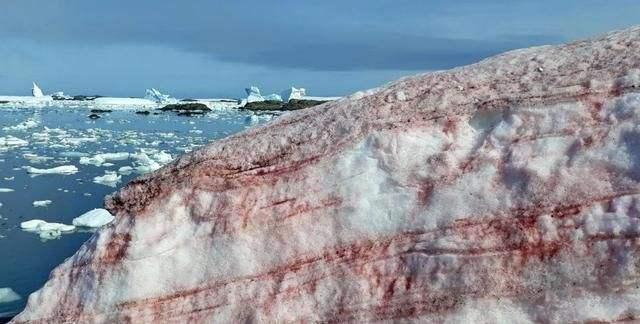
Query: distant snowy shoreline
column 153, row 99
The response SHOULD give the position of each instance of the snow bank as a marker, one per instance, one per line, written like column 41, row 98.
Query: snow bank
column 94, row 218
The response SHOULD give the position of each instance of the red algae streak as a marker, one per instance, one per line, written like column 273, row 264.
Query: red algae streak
column 504, row 191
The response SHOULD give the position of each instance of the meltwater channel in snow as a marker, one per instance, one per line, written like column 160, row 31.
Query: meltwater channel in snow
column 56, row 166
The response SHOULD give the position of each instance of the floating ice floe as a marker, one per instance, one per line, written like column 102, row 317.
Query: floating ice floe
column 64, row 169
column 27, row 124
column 42, row 203
column 6, row 190
column 101, row 158
column 11, row 141
column 34, row 158
column 7, row 295
column 45, row 229
column 110, row 178
column 93, row 218
column 125, row 170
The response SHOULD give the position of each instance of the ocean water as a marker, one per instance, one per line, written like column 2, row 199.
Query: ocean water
column 59, row 136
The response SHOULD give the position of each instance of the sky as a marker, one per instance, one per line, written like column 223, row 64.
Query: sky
column 210, row 48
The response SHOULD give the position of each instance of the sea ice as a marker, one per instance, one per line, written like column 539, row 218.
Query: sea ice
column 64, row 169
column 27, row 124
column 6, row 190
column 110, row 178
column 11, row 141
column 45, row 229
column 93, row 218
column 42, row 203
column 7, row 295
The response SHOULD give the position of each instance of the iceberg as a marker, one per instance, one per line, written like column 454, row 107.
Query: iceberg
column 253, row 94
column 158, row 97
column 507, row 191
column 293, row 93
column 94, row 218
column 301, row 94
column 36, row 91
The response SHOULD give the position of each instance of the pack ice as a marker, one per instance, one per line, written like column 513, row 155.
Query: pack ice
column 506, row 191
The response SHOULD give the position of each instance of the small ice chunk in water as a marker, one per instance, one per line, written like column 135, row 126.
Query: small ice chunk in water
column 6, row 190
column 32, row 224
column 64, row 169
column 7, row 295
column 94, row 218
column 125, row 170
column 110, row 178
column 42, row 203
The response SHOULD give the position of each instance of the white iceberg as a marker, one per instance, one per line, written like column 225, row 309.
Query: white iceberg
column 301, row 94
column 36, row 91
column 109, row 178
column 158, row 97
column 7, row 295
column 6, row 190
column 293, row 93
column 94, row 218
column 253, row 94
column 64, row 169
